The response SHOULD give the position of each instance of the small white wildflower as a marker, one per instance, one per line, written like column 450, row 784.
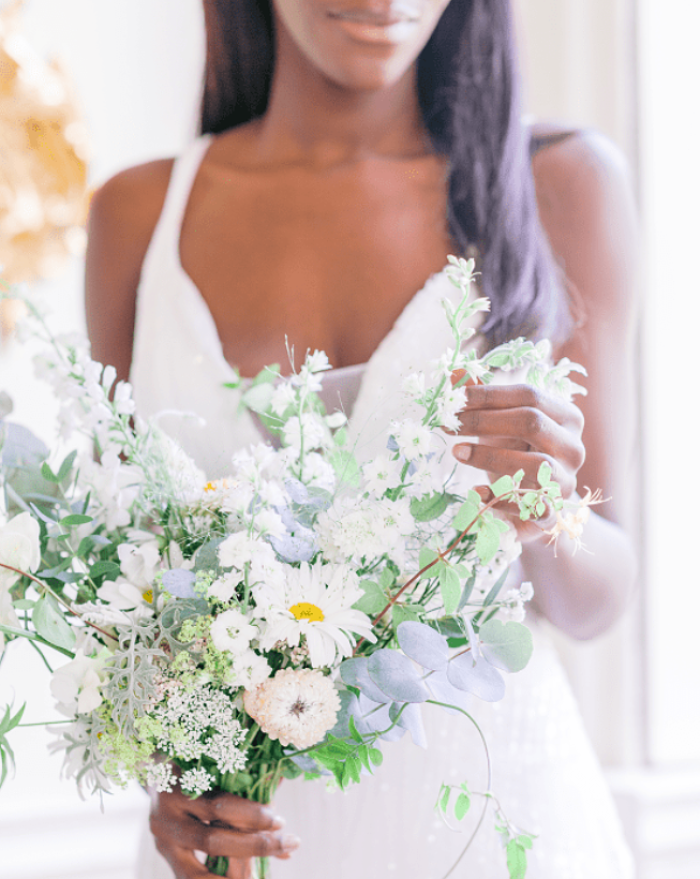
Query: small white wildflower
column 413, row 439
column 160, row 776
column 231, row 631
column 381, row 474
column 196, row 781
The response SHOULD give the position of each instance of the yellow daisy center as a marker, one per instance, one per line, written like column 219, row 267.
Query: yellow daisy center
column 148, row 596
column 210, row 487
column 306, row 611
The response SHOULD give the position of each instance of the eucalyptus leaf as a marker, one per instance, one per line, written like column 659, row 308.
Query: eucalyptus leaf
column 354, row 673
column 508, row 645
column 50, row 623
column 396, row 676
column 479, row 678
column 179, row 582
column 410, row 719
column 424, row 645
column 207, row 557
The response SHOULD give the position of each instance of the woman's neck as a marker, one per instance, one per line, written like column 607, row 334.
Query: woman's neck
column 315, row 122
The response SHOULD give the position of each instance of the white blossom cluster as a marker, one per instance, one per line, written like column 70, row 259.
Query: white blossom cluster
column 198, row 723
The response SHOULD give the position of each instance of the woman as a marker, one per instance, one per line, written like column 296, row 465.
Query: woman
column 349, row 146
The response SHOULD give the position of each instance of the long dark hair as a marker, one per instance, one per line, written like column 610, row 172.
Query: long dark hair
column 468, row 88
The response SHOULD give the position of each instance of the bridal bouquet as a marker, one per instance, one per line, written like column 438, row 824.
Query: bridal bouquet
column 290, row 619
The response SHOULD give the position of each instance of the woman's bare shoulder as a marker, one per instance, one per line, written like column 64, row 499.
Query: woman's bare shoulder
column 123, row 215
column 586, row 202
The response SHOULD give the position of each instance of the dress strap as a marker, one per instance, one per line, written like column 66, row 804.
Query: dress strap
column 182, row 177
column 542, row 141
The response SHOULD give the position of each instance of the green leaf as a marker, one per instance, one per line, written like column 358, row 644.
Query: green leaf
column 66, row 466
column 50, row 623
column 404, row 613
column 504, row 485
column 48, row 474
column 444, row 798
column 467, row 513
column 376, row 756
column 24, row 603
column 75, row 519
column 450, row 589
column 489, row 538
column 258, row 397
column 462, row 806
column 346, row 467
column 431, row 506
column 340, row 437
column 353, row 730
column 508, row 646
column 363, row 754
column 516, row 859
column 374, row 600
column 106, row 569
column 425, row 557
column 544, row 474
column 267, row 375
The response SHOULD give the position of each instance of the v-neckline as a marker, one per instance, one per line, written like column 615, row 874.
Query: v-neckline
column 215, row 346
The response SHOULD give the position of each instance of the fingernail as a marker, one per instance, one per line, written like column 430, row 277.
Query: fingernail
column 462, row 452
column 278, row 822
column 289, row 841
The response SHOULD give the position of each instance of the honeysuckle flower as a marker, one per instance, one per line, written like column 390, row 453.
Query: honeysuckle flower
column 76, row 685
column 139, row 564
column 314, row 603
column 122, row 594
column 231, row 631
column 296, row 707
column 572, row 523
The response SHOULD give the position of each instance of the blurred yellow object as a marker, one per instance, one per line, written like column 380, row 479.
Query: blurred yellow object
column 43, row 152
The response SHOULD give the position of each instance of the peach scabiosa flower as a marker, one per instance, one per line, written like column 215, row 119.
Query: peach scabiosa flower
column 298, row 707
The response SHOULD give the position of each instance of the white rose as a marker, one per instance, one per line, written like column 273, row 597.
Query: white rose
column 19, row 546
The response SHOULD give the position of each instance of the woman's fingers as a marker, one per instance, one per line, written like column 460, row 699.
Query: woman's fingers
column 500, row 461
column 524, row 396
column 244, row 815
column 524, row 427
column 218, row 824
column 213, row 839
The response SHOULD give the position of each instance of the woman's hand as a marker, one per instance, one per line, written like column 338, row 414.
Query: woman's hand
column 217, row 824
column 519, row 428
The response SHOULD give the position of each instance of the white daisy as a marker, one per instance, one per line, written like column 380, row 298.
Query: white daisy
column 296, row 707
column 314, row 603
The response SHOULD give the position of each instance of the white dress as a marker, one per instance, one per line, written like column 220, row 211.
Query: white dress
column 546, row 776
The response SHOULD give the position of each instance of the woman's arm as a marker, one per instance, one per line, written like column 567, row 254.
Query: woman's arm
column 586, row 209
column 123, row 215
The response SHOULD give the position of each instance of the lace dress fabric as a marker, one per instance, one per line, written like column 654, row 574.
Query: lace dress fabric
column 545, row 774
